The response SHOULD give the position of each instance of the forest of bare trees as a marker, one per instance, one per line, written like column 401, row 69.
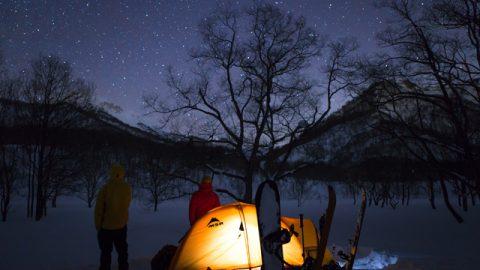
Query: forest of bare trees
column 40, row 160
column 253, row 98
column 429, row 98
column 48, row 92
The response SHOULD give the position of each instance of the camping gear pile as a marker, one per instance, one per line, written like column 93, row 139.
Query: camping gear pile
column 229, row 237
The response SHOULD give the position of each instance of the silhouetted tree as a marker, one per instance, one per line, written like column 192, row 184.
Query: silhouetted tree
column 429, row 94
column 249, row 90
column 93, row 172
column 10, row 154
column 9, row 173
column 52, row 96
column 161, row 179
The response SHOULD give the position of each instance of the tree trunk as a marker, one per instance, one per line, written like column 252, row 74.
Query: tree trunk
column 4, row 208
column 41, row 200
column 29, row 194
column 89, row 202
column 4, row 215
column 32, row 198
column 31, row 187
column 2, row 195
column 431, row 190
column 39, row 207
column 457, row 217
column 403, row 194
column 54, row 201
column 33, row 173
column 248, row 195
column 464, row 197
column 408, row 195
column 5, row 200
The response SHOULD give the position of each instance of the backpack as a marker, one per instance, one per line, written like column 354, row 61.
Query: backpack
column 161, row 261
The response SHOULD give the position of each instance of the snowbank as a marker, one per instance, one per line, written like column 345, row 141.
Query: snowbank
column 374, row 261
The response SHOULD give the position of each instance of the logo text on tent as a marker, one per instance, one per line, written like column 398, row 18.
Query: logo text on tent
column 214, row 222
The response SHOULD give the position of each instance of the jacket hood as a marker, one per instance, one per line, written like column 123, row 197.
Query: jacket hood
column 117, row 173
column 206, row 179
column 205, row 186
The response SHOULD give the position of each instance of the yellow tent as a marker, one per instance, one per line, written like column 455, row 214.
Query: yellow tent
column 227, row 238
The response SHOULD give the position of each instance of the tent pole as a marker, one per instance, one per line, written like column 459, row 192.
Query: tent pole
column 303, row 238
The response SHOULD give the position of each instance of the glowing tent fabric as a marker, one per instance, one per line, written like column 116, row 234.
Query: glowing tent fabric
column 292, row 251
column 227, row 238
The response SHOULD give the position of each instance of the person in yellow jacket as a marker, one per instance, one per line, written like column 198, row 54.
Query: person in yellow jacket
column 111, row 217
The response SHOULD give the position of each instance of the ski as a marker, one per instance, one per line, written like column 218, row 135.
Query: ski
column 267, row 201
column 358, row 230
column 324, row 227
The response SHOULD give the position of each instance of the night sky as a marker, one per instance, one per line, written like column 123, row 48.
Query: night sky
column 125, row 46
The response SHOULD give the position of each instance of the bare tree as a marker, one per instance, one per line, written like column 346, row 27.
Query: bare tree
column 301, row 189
column 160, row 180
column 429, row 96
column 9, row 172
column 249, row 90
column 53, row 98
column 9, row 153
column 93, row 172
column 64, row 175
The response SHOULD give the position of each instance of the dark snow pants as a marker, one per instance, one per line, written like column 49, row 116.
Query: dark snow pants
column 106, row 240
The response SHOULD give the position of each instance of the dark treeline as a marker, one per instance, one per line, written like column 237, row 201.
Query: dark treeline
column 257, row 112
column 429, row 95
column 54, row 141
column 47, row 90
column 385, row 194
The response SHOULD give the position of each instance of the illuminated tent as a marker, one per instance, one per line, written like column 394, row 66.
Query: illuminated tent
column 227, row 238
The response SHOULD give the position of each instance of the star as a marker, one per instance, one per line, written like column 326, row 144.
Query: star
column 105, row 40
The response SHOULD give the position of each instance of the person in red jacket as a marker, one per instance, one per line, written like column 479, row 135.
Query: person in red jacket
column 203, row 200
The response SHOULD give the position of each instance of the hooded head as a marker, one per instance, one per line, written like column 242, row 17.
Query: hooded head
column 117, row 172
column 206, row 182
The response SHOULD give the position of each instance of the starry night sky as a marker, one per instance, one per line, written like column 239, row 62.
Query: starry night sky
column 125, row 46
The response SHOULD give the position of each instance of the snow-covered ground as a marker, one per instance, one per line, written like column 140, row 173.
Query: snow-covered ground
column 421, row 238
